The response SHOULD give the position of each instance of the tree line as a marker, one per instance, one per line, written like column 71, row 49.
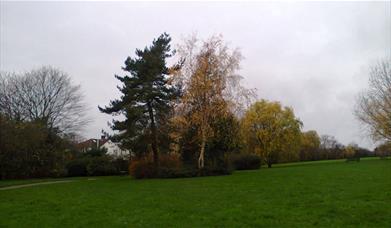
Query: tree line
column 198, row 111
column 193, row 117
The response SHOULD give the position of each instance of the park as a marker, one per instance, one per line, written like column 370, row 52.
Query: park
column 323, row 193
column 121, row 115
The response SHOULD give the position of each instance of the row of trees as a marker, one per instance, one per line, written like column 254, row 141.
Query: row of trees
column 183, row 108
column 198, row 108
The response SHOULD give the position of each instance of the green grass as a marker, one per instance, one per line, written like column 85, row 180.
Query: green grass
column 325, row 194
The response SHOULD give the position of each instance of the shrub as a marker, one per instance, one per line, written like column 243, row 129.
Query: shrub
column 192, row 172
column 28, row 149
column 169, row 165
column 92, row 166
column 173, row 172
column 101, row 166
column 215, row 171
column 96, row 152
column 172, row 167
column 167, row 172
column 77, row 167
column 142, row 168
column 170, row 161
column 122, row 165
column 245, row 161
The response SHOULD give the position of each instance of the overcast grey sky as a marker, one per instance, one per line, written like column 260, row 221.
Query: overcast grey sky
column 312, row 56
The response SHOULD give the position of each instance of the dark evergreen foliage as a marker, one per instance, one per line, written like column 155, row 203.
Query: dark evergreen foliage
column 28, row 149
column 146, row 98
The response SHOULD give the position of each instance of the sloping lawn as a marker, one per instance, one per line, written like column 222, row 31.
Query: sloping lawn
column 331, row 194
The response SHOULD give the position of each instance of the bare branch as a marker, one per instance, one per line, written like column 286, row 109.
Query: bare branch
column 45, row 94
column 373, row 107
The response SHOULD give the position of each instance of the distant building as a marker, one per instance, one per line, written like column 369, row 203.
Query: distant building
column 112, row 148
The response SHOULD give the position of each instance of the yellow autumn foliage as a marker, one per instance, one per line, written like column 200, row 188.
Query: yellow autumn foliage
column 271, row 131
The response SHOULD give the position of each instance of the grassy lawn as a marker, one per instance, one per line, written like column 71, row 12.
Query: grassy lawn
column 327, row 194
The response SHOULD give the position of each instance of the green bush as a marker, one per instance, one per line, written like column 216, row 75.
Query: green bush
column 171, row 167
column 101, row 166
column 215, row 171
column 245, row 161
column 77, row 167
column 121, row 165
column 142, row 169
column 29, row 149
column 92, row 166
column 94, row 152
column 192, row 172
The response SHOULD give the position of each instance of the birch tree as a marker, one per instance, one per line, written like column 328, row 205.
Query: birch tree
column 211, row 86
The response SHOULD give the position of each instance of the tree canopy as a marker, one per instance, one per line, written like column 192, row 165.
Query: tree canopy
column 310, row 144
column 272, row 131
column 210, row 86
column 146, row 97
column 45, row 94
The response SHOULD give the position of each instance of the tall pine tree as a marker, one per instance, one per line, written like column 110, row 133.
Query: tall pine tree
column 146, row 97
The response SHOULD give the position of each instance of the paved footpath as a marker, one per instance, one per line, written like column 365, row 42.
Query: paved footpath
column 34, row 184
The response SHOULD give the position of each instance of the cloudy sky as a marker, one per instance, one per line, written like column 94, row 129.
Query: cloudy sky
column 312, row 56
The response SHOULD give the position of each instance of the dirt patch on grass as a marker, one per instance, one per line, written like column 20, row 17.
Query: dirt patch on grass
column 34, row 184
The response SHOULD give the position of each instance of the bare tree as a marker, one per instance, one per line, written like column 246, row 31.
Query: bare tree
column 328, row 142
column 45, row 94
column 373, row 107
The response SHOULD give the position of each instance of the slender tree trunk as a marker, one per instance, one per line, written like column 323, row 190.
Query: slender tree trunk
column 202, row 152
column 155, row 150
column 269, row 160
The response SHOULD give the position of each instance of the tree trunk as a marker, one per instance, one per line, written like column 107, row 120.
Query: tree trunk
column 269, row 163
column 202, row 152
column 155, row 150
